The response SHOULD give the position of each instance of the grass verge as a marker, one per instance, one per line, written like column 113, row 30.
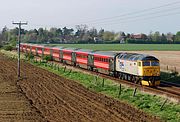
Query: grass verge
column 170, row 77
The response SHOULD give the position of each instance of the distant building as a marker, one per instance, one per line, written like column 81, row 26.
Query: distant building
column 122, row 40
column 139, row 36
column 170, row 37
column 98, row 40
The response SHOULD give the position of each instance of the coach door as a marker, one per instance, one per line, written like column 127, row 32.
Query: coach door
column 111, row 64
column 61, row 56
column 73, row 57
column 90, row 60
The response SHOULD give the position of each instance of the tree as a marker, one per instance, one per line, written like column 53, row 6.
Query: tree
column 67, row 34
column 177, row 37
column 108, row 36
column 163, row 38
column 156, row 37
column 81, row 31
column 4, row 35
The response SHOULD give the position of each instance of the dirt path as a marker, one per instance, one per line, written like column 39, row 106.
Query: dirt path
column 62, row 100
column 14, row 106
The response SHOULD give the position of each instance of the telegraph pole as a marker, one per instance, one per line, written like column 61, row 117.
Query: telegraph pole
column 19, row 41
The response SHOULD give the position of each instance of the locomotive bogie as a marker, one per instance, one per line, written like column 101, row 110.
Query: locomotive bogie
column 150, row 83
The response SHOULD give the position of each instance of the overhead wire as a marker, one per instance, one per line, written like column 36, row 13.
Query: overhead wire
column 128, row 17
column 134, row 20
column 132, row 13
column 138, row 16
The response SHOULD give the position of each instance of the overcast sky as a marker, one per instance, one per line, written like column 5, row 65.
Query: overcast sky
column 133, row 16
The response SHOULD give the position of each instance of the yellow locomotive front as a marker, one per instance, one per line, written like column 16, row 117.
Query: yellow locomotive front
column 149, row 71
column 138, row 68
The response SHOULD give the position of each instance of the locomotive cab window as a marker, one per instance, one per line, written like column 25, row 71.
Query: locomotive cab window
column 154, row 63
column 139, row 64
column 146, row 63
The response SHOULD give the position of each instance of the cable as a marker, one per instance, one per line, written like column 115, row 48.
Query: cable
column 141, row 15
column 170, row 14
column 127, row 16
column 132, row 13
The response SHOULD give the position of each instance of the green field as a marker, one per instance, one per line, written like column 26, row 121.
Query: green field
column 124, row 47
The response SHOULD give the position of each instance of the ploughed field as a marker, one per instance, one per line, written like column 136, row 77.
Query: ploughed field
column 56, row 98
column 14, row 105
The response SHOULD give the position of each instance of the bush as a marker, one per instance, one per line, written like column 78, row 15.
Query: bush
column 8, row 48
column 48, row 58
column 29, row 56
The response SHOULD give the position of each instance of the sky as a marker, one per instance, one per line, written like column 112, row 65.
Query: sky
column 130, row 16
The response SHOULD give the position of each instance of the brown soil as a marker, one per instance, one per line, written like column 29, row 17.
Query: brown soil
column 62, row 100
column 14, row 106
column 167, row 58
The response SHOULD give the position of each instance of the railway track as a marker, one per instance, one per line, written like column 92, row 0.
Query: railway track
column 164, row 90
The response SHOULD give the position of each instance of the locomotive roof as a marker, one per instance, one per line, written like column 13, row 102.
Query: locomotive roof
column 71, row 49
column 136, row 56
column 105, row 53
column 84, row 50
column 58, row 47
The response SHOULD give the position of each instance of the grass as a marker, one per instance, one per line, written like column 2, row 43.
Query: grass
column 165, row 76
column 124, row 47
column 148, row 103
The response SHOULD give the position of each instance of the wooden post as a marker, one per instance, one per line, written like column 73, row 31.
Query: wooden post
column 134, row 93
column 64, row 68
column 52, row 65
column 119, row 90
column 58, row 67
column 175, row 69
column 55, row 66
column 95, row 77
column 167, row 68
column 103, row 83
column 163, row 104
column 70, row 71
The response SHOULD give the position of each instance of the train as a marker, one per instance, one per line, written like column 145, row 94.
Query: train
column 133, row 67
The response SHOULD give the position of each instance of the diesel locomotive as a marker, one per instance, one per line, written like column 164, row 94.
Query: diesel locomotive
column 138, row 68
